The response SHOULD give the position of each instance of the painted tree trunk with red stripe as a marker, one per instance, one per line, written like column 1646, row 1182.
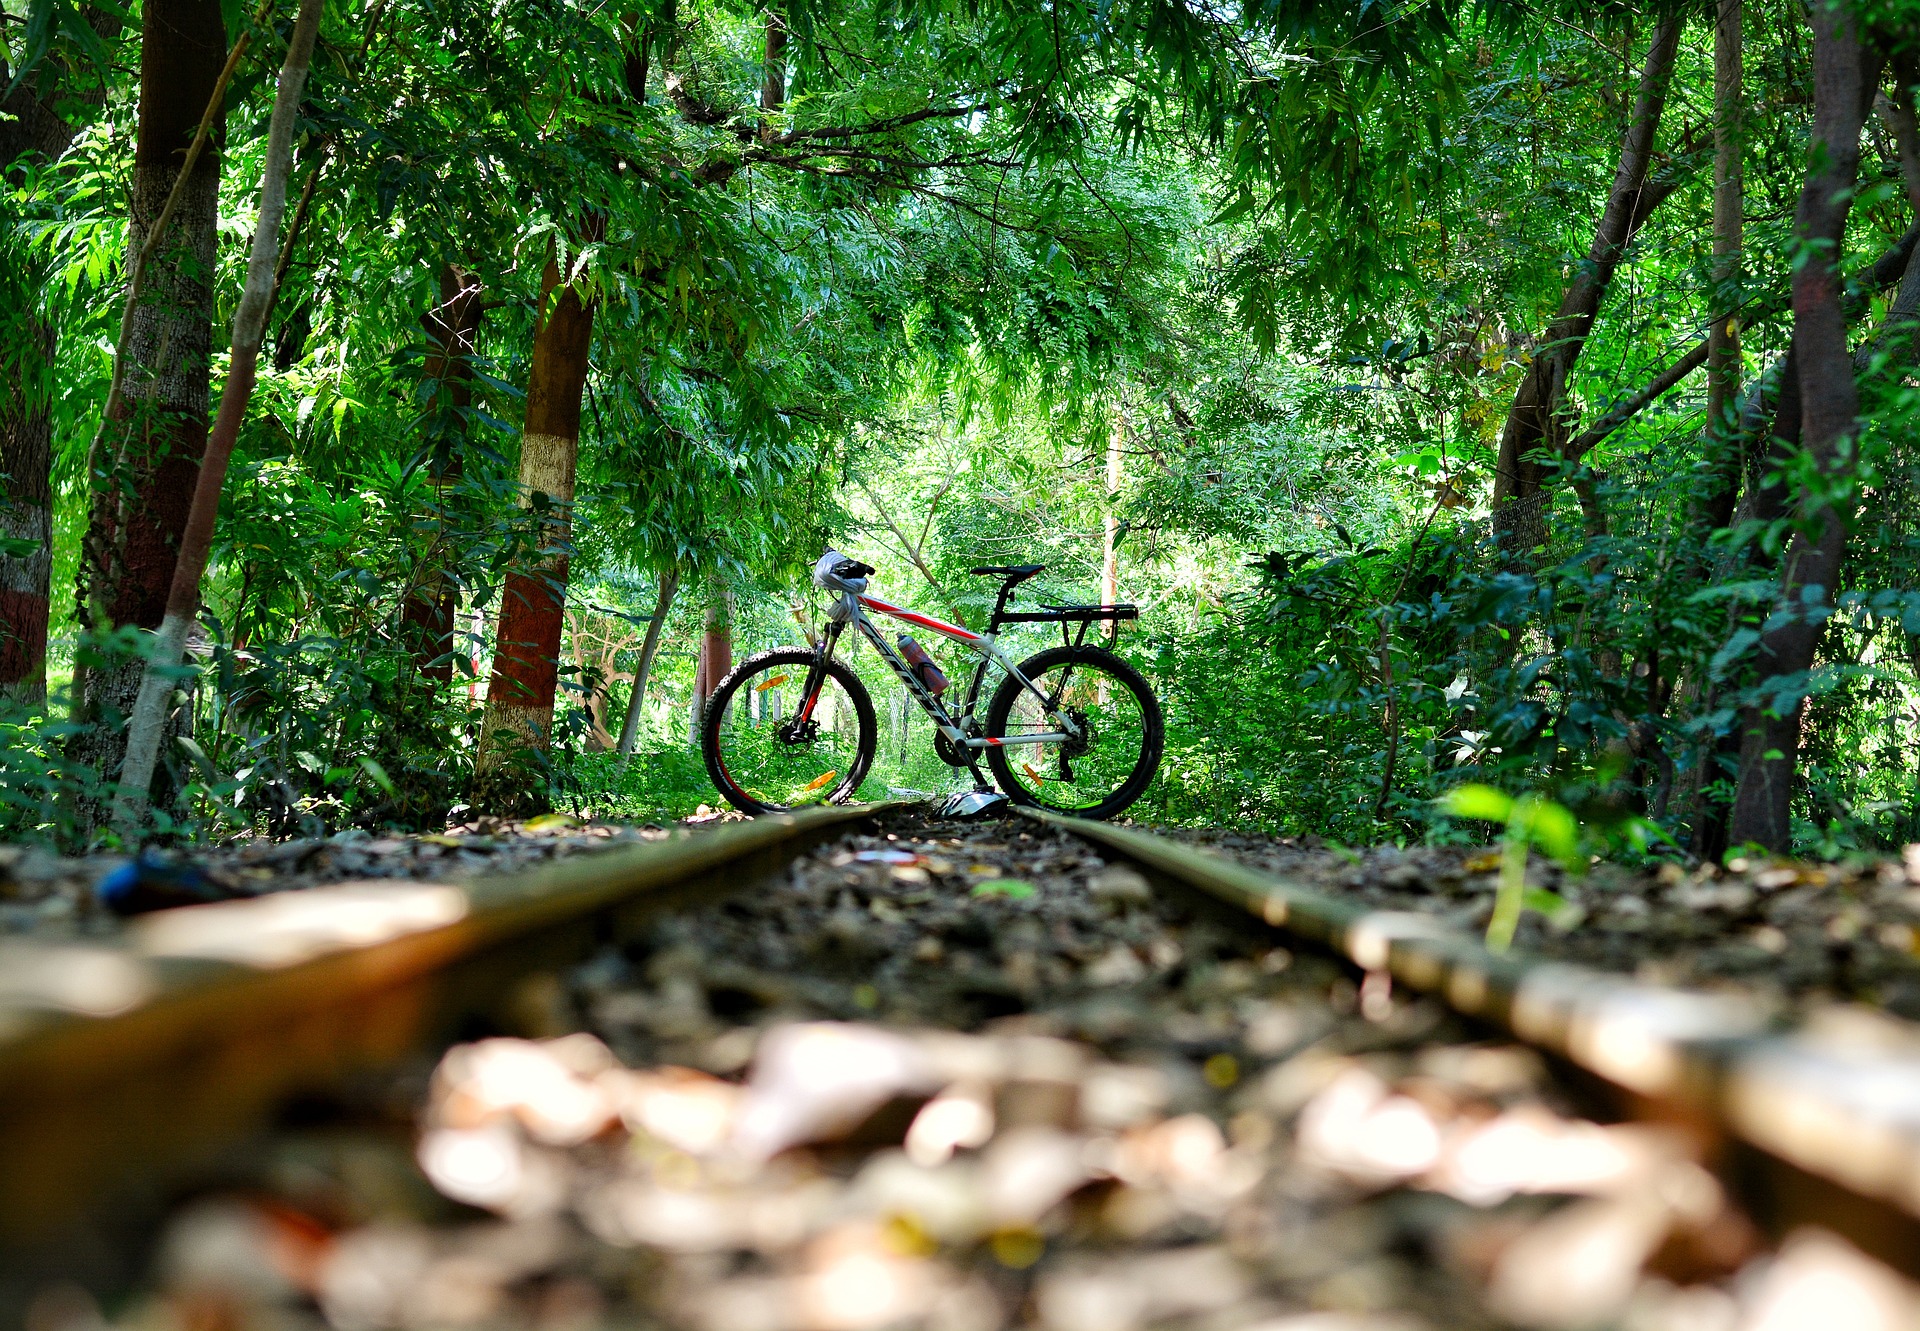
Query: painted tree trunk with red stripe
column 526, row 659
column 716, row 639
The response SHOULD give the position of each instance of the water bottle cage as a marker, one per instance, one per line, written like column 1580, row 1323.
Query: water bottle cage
column 925, row 669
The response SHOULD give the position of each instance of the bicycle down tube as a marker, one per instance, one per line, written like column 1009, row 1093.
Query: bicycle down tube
column 982, row 645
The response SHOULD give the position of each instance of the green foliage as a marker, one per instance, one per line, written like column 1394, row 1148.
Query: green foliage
column 1298, row 256
column 40, row 791
column 657, row 786
column 1530, row 820
column 1013, row 889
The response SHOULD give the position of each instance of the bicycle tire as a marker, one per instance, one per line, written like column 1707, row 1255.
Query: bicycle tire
column 716, row 712
column 1153, row 728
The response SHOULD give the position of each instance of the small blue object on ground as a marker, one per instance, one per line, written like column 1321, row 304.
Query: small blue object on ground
column 152, row 882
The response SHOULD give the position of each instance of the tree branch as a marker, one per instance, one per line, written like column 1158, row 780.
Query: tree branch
column 1632, row 406
column 1887, row 270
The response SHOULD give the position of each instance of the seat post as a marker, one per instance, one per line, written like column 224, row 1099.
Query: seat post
column 1010, row 577
column 1000, row 606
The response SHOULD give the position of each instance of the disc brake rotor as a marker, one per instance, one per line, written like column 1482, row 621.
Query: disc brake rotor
column 1082, row 739
column 802, row 732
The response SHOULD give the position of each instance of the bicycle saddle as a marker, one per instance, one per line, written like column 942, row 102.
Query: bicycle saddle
column 1013, row 573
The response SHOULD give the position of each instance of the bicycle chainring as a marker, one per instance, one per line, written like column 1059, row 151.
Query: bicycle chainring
column 950, row 753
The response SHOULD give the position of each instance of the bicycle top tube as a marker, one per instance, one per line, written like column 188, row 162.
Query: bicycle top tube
column 941, row 627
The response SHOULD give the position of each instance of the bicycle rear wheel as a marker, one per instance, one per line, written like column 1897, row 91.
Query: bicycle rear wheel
column 1117, row 752
column 769, row 749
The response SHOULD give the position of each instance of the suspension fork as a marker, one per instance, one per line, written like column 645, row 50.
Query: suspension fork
column 817, row 672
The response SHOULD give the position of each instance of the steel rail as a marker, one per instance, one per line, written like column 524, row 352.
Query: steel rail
column 1811, row 1122
column 124, row 1063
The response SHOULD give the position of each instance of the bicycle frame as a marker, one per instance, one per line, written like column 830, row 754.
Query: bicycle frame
column 850, row 608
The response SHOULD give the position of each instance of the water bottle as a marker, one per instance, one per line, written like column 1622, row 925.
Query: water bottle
column 923, row 666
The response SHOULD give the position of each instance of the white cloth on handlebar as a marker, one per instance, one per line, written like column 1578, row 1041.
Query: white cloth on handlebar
column 827, row 580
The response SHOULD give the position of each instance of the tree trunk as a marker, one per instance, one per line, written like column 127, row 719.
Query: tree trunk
column 520, row 694
column 1534, row 422
column 649, row 647
column 145, row 486
column 696, row 699
column 1771, row 407
column 26, row 509
column 773, row 82
column 148, row 719
column 637, row 49
column 1728, row 425
column 1765, row 440
column 29, row 120
column 1723, row 341
column 1829, row 404
column 1110, row 551
column 453, row 327
column 595, row 653
column 716, row 640
column 29, row 124
column 1769, row 502
column 1765, row 503
column 1906, row 132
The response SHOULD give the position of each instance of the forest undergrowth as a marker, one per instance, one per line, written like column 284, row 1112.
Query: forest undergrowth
column 409, row 413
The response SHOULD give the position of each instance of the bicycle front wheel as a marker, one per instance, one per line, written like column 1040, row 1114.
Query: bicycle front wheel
column 1102, row 769
column 770, row 748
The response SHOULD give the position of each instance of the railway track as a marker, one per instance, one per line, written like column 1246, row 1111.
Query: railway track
column 1267, row 1022
column 125, row 1062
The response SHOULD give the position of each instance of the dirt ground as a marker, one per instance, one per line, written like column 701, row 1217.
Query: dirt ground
column 966, row 1077
column 1801, row 932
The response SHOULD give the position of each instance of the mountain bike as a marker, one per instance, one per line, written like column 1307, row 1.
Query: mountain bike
column 1074, row 728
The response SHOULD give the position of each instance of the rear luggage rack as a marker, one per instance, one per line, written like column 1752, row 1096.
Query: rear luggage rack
column 1053, row 614
column 1064, row 615
column 1120, row 611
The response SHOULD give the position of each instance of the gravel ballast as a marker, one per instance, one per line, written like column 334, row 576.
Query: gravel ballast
column 971, row 1077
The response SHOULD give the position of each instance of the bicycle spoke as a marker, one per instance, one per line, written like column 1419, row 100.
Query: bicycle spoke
column 777, row 749
column 1084, row 771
